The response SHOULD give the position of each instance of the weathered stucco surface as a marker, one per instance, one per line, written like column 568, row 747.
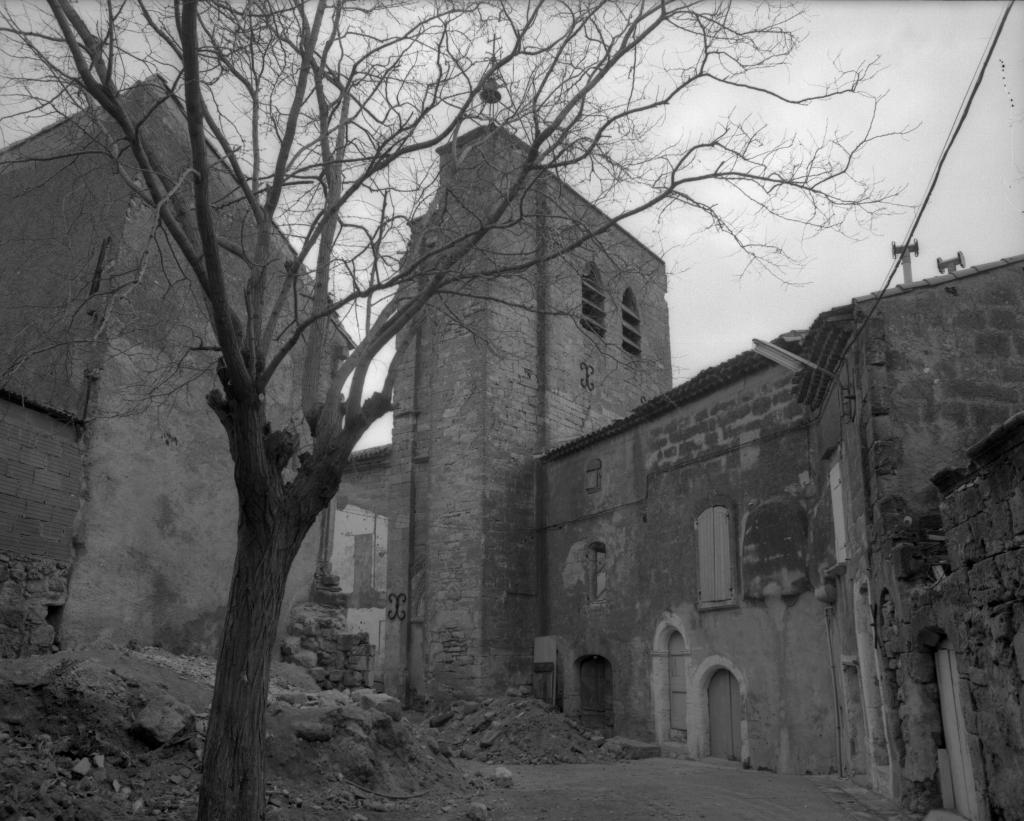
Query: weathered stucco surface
column 742, row 445
column 90, row 279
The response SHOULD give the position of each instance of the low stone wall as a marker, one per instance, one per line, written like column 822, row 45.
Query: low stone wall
column 32, row 594
column 318, row 640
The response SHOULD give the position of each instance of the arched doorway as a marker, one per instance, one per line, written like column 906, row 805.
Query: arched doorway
column 671, row 671
column 724, row 714
column 677, row 655
column 595, row 676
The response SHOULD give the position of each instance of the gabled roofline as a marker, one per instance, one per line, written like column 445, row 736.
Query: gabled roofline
column 941, row 280
column 824, row 341
column 23, row 401
column 169, row 95
column 705, row 383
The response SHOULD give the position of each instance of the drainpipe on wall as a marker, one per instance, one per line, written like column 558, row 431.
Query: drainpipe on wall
column 829, row 612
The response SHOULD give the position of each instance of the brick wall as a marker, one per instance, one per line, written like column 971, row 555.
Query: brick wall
column 40, row 483
column 40, row 497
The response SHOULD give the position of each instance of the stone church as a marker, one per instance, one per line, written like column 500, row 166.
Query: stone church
column 731, row 567
column 808, row 558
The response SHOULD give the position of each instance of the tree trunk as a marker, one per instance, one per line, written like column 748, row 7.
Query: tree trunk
column 232, row 787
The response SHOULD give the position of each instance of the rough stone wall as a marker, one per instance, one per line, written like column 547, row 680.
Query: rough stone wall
column 40, row 497
column 33, row 591
column 977, row 606
column 937, row 367
column 319, row 639
column 743, row 445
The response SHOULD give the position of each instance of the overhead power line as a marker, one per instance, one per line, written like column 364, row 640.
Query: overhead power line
column 965, row 107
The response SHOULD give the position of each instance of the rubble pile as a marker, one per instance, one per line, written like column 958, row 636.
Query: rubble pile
column 515, row 730
column 116, row 734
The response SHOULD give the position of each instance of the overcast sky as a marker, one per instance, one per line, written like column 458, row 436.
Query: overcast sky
column 932, row 51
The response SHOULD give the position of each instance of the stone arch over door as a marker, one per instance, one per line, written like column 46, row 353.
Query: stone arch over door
column 661, row 674
column 699, row 737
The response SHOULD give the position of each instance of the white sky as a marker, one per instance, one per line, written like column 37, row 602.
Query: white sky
column 932, row 51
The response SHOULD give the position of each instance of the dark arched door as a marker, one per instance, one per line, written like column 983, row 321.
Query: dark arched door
column 724, row 715
column 596, row 692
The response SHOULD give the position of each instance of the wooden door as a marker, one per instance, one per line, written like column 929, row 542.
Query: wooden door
column 724, row 715
column 595, row 692
column 965, row 798
column 677, row 682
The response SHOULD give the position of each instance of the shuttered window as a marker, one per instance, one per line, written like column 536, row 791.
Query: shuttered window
column 835, row 483
column 714, row 555
column 592, row 309
column 630, row 324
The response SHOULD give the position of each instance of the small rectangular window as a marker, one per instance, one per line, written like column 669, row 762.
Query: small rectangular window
column 592, row 476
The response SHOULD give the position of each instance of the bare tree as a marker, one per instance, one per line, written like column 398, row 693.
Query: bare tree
column 324, row 119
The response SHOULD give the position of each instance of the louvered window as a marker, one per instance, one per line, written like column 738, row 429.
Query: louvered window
column 630, row 324
column 714, row 556
column 592, row 309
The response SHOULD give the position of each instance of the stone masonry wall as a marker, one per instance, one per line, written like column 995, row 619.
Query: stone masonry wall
column 498, row 373
column 319, row 640
column 741, row 443
column 40, row 496
column 941, row 363
column 979, row 606
column 32, row 594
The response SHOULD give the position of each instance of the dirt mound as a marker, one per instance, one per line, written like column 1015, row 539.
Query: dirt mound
column 113, row 734
column 510, row 730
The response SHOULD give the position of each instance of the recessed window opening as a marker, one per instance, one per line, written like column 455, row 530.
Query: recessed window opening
column 592, row 476
column 597, row 570
column 592, row 309
column 630, row 324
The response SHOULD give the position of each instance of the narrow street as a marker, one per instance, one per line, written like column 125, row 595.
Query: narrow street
column 661, row 789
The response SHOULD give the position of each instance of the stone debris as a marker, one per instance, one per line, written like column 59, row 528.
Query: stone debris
column 162, row 720
column 515, row 730
column 478, row 811
column 111, row 734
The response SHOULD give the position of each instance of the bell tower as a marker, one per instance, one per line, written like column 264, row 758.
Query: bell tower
column 535, row 347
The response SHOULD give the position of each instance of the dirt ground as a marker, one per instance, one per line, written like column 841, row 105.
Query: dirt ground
column 115, row 733
column 657, row 789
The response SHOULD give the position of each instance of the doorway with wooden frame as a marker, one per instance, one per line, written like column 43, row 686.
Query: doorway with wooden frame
column 956, row 775
column 724, row 715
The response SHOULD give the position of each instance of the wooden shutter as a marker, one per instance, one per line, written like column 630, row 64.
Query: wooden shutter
column 723, row 555
column 835, row 483
column 714, row 555
column 706, row 554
